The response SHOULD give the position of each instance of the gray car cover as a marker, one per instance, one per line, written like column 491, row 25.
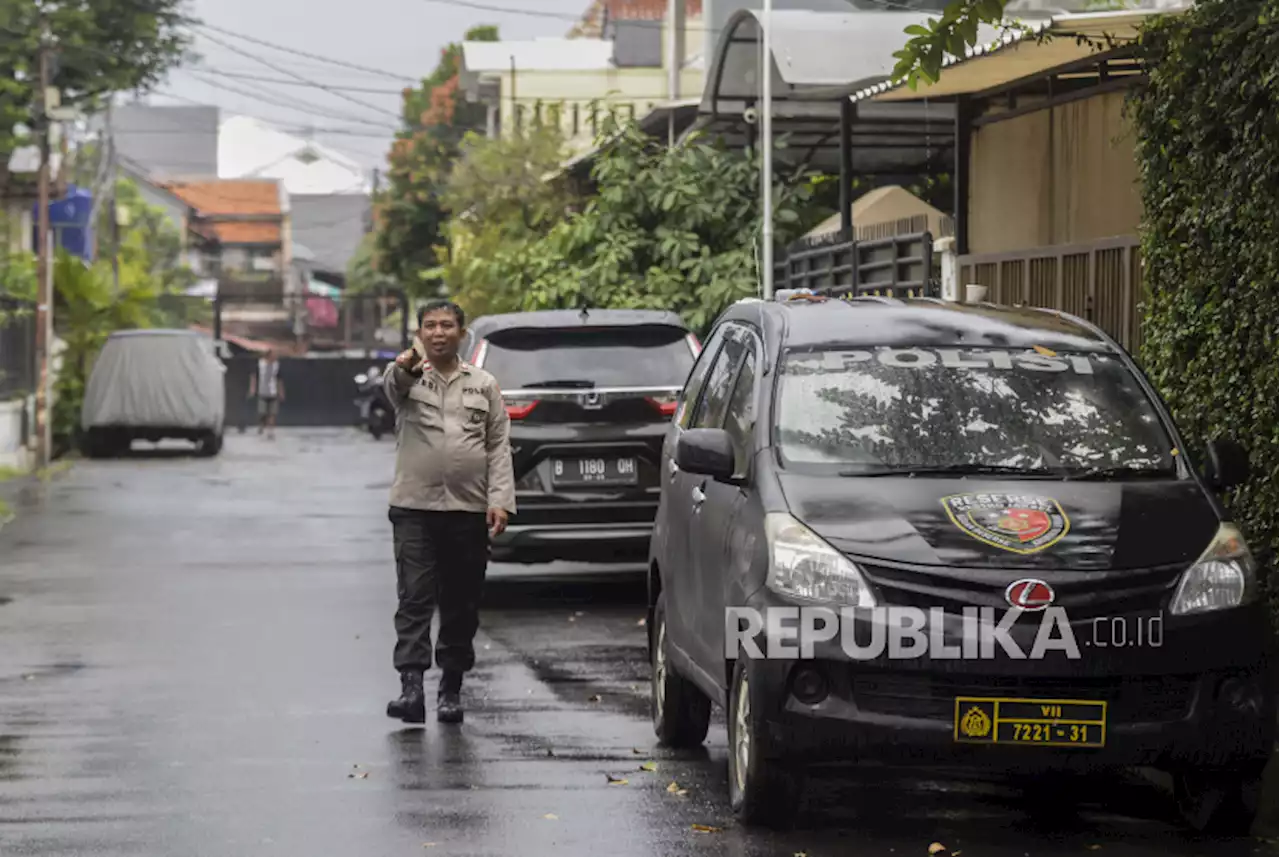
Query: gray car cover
column 160, row 378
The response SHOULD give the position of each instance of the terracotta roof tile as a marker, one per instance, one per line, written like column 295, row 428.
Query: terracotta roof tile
column 246, row 232
column 228, row 196
column 647, row 10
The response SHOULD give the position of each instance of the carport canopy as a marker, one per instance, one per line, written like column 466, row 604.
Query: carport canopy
column 819, row 60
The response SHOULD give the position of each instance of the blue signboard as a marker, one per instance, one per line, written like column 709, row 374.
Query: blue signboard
column 69, row 222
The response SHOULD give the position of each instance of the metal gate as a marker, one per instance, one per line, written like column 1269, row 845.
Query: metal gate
column 900, row 266
column 319, row 391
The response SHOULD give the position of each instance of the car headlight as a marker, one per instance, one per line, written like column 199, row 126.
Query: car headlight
column 1223, row 577
column 802, row 565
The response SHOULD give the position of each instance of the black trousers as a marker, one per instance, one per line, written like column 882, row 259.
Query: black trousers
column 441, row 558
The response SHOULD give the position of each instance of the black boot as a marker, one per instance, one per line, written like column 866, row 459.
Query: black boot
column 411, row 707
column 449, row 700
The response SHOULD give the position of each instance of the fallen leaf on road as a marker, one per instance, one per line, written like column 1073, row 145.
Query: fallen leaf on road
column 649, row 766
column 363, row 775
column 595, row 697
column 801, row 854
column 428, row 845
column 616, row 781
column 937, row 848
column 551, row 753
column 706, row 828
column 1040, row 349
column 579, row 613
column 637, row 751
column 674, row 787
column 28, row 677
column 573, row 619
column 551, row 816
column 641, row 623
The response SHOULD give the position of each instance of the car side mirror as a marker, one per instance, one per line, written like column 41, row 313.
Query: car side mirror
column 1227, row 463
column 706, row 452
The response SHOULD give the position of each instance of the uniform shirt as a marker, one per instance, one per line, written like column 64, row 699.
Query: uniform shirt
column 453, row 451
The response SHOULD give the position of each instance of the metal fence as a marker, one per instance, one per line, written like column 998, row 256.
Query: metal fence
column 899, row 266
column 1100, row 281
column 17, row 348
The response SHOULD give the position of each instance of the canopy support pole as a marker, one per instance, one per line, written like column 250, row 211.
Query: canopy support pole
column 766, row 168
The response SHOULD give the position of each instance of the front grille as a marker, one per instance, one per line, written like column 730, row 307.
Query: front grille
column 1146, row 699
column 1084, row 595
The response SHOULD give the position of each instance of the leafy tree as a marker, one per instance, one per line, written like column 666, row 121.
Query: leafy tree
column 99, row 47
column 410, row 215
column 502, row 199
column 669, row 228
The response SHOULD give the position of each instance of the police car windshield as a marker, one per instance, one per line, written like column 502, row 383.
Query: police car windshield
column 1052, row 415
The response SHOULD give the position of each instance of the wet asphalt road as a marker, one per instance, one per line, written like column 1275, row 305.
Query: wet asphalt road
column 195, row 659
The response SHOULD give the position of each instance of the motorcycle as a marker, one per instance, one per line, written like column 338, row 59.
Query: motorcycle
column 377, row 414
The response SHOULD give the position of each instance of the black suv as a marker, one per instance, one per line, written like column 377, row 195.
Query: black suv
column 872, row 459
column 590, row 394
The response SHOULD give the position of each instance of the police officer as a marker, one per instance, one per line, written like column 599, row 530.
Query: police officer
column 453, row 491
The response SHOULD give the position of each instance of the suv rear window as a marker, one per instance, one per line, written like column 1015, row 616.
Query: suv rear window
column 640, row 356
column 881, row 409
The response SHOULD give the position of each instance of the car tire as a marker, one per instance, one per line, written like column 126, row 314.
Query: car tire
column 210, row 445
column 763, row 790
column 1217, row 803
column 681, row 712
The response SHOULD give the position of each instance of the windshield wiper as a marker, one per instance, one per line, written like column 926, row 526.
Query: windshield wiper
column 955, row 470
column 1104, row 473
column 568, row 383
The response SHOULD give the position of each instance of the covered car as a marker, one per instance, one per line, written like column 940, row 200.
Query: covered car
column 151, row 385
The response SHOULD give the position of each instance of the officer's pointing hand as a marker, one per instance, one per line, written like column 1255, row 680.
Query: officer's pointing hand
column 407, row 360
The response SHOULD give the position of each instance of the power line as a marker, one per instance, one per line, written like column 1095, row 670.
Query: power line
column 297, row 76
column 372, row 90
column 295, row 105
column 308, row 55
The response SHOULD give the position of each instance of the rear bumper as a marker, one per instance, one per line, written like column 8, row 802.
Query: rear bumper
column 574, row 542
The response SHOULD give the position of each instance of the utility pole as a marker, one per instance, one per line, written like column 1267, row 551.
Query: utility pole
column 44, row 266
column 766, row 139
column 114, row 212
column 675, row 61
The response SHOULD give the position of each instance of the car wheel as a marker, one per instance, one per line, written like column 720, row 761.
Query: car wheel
column 681, row 712
column 1219, row 803
column 763, row 790
column 211, row 445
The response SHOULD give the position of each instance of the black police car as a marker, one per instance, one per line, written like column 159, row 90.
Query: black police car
column 590, row 394
column 878, row 456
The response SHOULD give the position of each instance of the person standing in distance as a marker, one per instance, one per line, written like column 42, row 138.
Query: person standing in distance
column 267, row 387
column 453, row 491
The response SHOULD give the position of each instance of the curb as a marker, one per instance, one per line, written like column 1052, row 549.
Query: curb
column 12, row 490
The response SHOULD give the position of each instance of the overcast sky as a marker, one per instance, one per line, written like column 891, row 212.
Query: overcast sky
column 402, row 37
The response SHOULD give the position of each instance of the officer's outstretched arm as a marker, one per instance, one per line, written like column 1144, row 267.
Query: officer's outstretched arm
column 396, row 383
column 502, row 483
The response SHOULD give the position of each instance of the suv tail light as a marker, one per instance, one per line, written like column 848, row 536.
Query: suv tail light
column 518, row 410
column 694, row 345
column 666, row 405
column 478, row 354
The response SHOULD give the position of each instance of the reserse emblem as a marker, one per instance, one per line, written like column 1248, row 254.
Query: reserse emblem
column 1018, row 523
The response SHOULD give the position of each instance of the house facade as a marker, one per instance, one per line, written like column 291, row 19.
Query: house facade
column 616, row 62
